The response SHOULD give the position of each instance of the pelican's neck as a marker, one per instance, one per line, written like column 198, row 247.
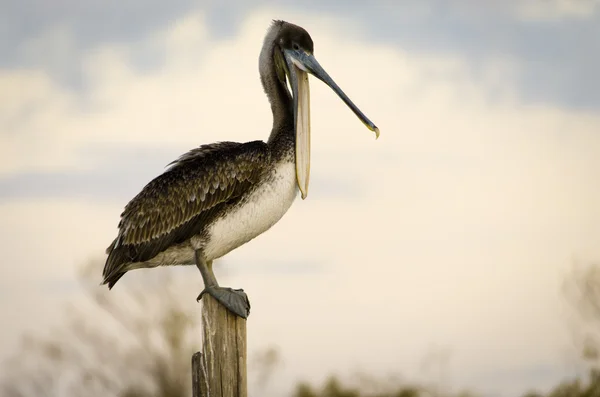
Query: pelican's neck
column 279, row 97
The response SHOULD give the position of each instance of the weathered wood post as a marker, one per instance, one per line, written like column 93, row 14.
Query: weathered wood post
column 220, row 369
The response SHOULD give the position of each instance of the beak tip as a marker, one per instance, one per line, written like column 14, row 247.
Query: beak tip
column 376, row 130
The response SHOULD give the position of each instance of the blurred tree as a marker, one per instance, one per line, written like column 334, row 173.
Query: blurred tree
column 129, row 342
column 334, row 389
column 582, row 290
column 132, row 343
column 265, row 363
column 303, row 389
column 589, row 387
column 376, row 388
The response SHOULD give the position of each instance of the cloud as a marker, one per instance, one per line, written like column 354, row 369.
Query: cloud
column 115, row 172
column 125, row 105
column 548, row 10
column 553, row 40
column 119, row 173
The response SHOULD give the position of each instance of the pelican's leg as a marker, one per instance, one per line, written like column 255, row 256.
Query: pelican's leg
column 235, row 300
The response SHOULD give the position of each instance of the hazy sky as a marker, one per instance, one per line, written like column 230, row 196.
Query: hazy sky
column 454, row 229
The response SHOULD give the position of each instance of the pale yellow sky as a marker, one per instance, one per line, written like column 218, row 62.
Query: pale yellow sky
column 455, row 228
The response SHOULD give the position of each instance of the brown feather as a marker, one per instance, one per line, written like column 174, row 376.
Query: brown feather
column 179, row 203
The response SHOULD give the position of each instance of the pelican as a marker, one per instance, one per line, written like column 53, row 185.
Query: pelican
column 219, row 196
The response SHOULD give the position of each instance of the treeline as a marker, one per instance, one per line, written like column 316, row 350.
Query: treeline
column 588, row 386
column 130, row 343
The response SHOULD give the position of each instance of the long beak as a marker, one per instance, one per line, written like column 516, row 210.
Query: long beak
column 301, row 94
column 299, row 63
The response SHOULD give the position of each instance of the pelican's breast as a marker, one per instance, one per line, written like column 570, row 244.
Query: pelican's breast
column 264, row 206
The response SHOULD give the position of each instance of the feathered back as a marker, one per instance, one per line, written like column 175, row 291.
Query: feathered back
column 175, row 206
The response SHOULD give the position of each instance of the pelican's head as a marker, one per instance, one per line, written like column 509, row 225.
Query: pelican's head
column 294, row 60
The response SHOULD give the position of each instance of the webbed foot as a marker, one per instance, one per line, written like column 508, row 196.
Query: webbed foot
column 235, row 300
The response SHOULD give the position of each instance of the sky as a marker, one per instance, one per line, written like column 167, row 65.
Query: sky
column 453, row 231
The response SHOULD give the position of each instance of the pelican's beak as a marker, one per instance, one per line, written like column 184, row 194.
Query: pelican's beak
column 299, row 64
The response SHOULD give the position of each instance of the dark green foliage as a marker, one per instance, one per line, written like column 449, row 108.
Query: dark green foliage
column 333, row 387
column 305, row 390
column 589, row 387
column 407, row 392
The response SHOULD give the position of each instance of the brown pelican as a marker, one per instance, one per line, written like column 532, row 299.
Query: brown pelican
column 219, row 196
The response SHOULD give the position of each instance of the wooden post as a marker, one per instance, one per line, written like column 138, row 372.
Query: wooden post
column 220, row 370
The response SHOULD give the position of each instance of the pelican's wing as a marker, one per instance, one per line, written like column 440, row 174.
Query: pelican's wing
column 172, row 207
